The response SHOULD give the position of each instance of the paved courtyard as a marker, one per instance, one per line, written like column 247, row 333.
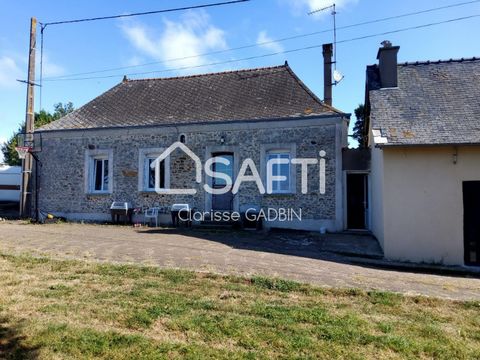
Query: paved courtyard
column 296, row 256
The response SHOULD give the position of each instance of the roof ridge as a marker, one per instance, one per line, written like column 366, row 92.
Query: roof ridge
column 433, row 62
column 210, row 74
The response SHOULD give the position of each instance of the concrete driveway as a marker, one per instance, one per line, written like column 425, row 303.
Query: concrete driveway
column 293, row 256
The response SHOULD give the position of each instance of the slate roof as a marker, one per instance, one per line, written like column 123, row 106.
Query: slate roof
column 435, row 103
column 262, row 93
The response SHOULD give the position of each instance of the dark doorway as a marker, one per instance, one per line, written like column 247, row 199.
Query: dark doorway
column 222, row 202
column 471, row 222
column 357, row 201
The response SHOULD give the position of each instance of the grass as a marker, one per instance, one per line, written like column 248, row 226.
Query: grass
column 68, row 309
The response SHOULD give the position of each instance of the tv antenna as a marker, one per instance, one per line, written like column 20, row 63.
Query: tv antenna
column 337, row 75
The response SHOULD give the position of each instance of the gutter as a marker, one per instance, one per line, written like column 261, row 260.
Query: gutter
column 381, row 146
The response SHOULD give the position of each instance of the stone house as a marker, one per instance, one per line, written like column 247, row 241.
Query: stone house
column 103, row 151
column 424, row 134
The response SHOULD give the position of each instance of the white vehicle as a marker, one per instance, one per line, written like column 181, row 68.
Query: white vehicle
column 10, row 183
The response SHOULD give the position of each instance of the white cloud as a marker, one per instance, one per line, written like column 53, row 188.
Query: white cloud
column 312, row 5
column 134, row 61
column 49, row 67
column 188, row 38
column 9, row 72
column 15, row 67
column 265, row 41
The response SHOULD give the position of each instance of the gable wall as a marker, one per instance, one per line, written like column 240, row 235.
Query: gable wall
column 423, row 202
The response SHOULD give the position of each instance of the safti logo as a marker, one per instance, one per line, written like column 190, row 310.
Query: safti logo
column 248, row 166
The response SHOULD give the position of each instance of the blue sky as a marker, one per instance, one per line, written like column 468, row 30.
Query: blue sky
column 85, row 47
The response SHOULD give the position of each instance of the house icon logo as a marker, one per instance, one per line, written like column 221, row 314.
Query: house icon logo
column 198, row 169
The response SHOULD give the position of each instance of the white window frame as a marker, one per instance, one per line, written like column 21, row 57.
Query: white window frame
column 289, row 178
column 90, row 157
column 144, row 155
column 279, row 148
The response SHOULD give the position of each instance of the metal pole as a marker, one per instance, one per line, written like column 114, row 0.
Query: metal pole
column 25, row 200
column 334, row 36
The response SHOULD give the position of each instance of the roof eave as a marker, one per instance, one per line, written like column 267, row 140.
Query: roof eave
column 396, row 145
column 293, row 118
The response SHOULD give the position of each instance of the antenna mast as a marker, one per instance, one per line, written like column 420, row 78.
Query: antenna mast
column 334, row 14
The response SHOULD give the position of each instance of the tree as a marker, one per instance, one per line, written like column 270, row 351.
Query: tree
column 10, row 155
column 42, row 118
column 359, row 131
column 60, row 110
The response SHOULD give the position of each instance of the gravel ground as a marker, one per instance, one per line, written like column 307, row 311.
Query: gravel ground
column 295, row 256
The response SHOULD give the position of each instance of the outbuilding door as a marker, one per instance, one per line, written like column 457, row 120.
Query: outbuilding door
column 471, row 221
column 357, row 201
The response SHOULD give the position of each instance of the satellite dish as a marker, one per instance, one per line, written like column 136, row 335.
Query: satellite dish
column 337, row 76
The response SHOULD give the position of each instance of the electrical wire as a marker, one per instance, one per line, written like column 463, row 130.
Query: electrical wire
column 267, row 42
column 193, row 7
column 43, row 26
column 41, row 68
column 423, row 26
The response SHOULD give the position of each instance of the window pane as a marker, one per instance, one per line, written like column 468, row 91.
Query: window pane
column 284, row 185
column 105, row 175
column 284, row 170
column 98, row 174
column 162, row 174
column 151, row 174
column 275, row 169
column 280, row 170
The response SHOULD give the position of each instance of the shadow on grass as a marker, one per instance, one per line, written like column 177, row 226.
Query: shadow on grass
column 12, row 342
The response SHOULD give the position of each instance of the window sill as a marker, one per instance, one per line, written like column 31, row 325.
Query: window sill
column 150, row 191
column 104, row 193
column 286, row 194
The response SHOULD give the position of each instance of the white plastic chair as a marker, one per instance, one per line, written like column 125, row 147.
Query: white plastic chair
column 151, row 213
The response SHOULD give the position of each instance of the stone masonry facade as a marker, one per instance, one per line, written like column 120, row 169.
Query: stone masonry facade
column 62, row 177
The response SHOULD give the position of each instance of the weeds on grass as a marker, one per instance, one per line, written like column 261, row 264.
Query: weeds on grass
column 275, row 284
column 81, row 310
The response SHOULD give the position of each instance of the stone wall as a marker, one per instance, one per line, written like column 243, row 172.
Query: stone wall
column 62, row 177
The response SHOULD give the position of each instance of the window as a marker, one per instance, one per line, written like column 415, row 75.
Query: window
column 282, row 168
column 282, row 153
column 98, row 166
column 146, row 174
column 150, row 173
column 182, row 138
column 101, row 174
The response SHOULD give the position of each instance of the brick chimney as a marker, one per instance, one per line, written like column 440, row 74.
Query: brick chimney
column 387, row 64
column 327, row 74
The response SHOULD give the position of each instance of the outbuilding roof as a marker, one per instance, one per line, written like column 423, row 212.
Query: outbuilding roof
column 253, row 94
column 435, row 103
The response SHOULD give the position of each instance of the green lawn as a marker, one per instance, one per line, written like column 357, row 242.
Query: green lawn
column 68, row 309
